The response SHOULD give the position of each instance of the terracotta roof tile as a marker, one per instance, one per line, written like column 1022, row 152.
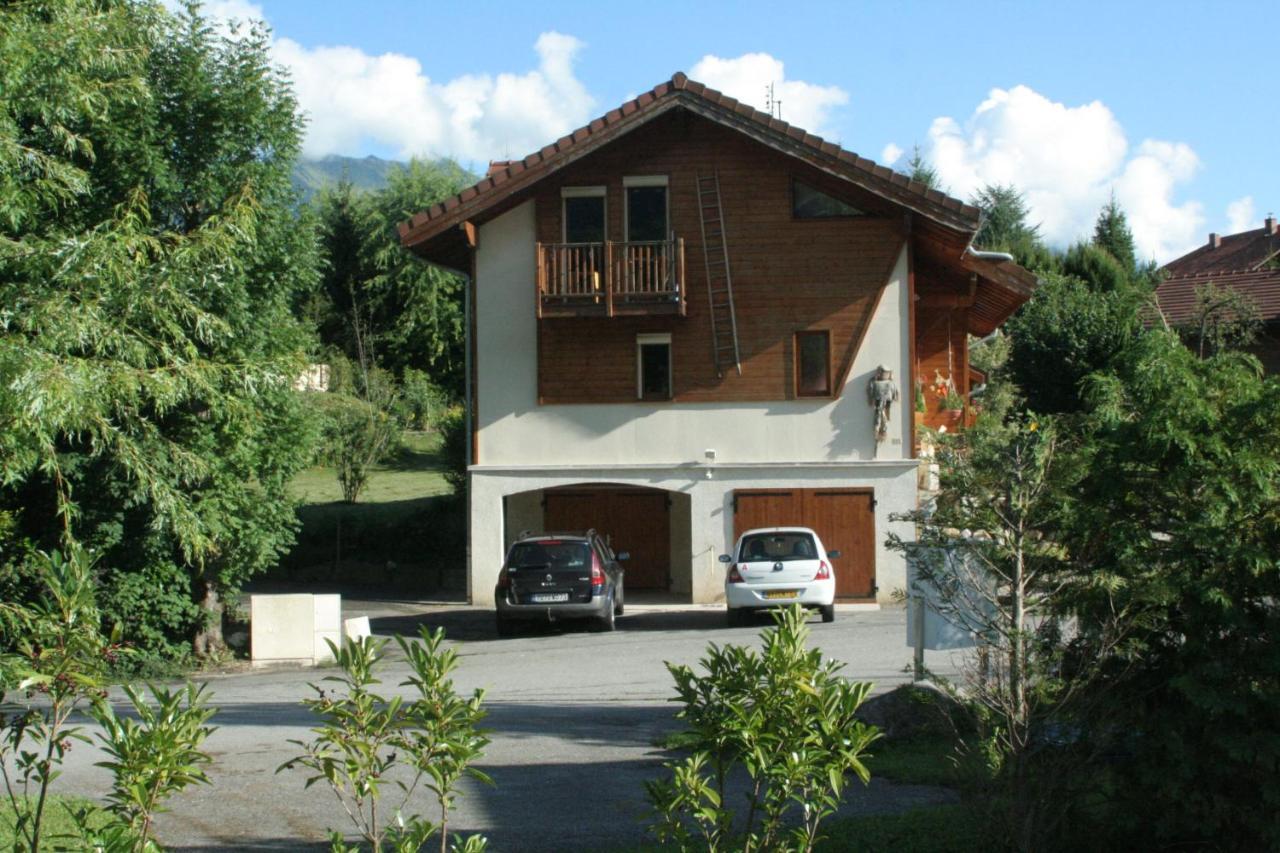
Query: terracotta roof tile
column 1177, row 296
column 899, row 189
column 1245, row 251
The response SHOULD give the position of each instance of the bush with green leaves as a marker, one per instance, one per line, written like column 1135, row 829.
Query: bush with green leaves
column 357, row 435
column 151, row 759
column 421, row 401
column 367, row 743
column 784, row 717
column 57, row 663
column 455, row 447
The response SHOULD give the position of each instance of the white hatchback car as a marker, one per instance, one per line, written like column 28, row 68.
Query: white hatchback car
column 778, row 567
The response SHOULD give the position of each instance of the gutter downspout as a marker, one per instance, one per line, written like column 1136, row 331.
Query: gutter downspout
column 467, row 285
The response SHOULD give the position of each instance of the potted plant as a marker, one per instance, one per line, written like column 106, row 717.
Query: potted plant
column 953, row 404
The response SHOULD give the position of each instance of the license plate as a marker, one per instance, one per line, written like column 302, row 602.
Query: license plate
column 780, row 593
column 549, row 597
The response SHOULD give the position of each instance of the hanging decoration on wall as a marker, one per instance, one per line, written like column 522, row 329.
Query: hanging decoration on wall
column 882, row 393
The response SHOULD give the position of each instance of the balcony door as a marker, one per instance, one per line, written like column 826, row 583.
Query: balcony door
column 648, row 229
column 584, row 217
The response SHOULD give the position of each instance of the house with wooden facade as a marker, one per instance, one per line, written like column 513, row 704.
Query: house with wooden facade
column 675, row 314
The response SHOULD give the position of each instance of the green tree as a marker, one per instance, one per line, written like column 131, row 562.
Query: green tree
column 1177, row 520
column 1111, row 233
column 1221, row 319
column 1097, row 268
column 382, row 306
column 921, row 170
column 148, row 267
column 1066, row 332
column 1005, row 226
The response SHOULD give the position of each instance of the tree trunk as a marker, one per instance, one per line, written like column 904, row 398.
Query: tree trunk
column 208, row 640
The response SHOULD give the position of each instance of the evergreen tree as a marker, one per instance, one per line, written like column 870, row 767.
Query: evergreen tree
column 1005, row 227
column 922, row 171
column 1111, row 232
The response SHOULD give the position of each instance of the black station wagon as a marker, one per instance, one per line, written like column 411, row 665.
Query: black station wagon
column 548, row 577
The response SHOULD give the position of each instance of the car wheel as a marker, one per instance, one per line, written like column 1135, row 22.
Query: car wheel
column 621, row 595
column 506, row 628
column 737, row 618
column 828, row 612
column 609, row 620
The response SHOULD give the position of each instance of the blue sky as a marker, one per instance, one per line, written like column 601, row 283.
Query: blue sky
column 1170, row 105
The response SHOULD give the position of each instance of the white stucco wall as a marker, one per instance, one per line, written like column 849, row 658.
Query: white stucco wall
column 515, row 430
column 708, row 502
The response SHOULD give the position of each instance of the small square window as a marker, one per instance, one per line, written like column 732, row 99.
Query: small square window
column 813, row 364
column 653, row 367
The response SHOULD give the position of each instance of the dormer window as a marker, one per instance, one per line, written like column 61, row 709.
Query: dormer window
column 810, row 203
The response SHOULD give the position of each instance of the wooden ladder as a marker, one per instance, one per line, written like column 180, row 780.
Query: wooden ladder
column 715, row 254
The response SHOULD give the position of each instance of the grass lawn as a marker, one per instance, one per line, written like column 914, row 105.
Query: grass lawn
column 924, row 760
column 406, row 532
column 938, row 829
column 414, row 472
column 60, row 824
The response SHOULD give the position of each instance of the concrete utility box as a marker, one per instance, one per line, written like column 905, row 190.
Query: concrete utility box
column 292, row 629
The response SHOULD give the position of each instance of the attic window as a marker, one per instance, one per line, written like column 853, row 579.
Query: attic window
column 810, row 203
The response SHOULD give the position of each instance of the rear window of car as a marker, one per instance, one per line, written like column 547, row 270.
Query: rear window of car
column 556, row 554
column 778, row 547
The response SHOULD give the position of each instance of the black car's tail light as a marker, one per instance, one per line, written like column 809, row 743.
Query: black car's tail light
column 504, row 579
column 597, row 574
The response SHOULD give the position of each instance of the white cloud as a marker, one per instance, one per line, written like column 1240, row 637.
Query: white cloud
column 352, row 98
column 748, row 77
column 1067, row 161
column 1241, row 215
column 890, row 154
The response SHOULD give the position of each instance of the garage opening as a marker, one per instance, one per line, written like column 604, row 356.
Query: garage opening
column 844, row 520
column 652, row 525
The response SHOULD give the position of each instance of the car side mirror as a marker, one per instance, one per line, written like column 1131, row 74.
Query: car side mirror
column 833, row 554
column 622, row 556
column 725, row 558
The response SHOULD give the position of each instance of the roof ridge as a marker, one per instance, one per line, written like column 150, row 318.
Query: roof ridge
column 679, row 82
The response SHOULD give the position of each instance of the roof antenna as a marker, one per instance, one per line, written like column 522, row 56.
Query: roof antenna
column 772, row 104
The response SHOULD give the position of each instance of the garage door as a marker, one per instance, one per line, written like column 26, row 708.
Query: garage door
column 635, row 520
column 844, row 520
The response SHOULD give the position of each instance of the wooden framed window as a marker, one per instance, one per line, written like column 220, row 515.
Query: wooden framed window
column 653, row 367
column 583, row 214
column 813, row 364
column 811, row 203
column 646, row 211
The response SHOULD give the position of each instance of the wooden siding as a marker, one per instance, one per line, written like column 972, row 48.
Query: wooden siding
column 788, row 275
column 942, row 350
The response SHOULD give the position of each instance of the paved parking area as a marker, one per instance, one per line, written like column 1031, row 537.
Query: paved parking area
column 574, row 717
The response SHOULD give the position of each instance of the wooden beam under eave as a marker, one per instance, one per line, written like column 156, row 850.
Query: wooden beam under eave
column 468, row 229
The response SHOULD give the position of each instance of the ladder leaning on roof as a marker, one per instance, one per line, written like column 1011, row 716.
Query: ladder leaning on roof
column 715, row 254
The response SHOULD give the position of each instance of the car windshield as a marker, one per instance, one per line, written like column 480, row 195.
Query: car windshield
column 553, row 554
column 778, row 547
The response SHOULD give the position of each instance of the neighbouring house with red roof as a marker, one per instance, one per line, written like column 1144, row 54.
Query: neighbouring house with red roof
column 1248, row 263
column 675, row 314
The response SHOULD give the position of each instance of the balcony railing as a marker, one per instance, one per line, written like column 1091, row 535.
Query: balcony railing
column 611, row 278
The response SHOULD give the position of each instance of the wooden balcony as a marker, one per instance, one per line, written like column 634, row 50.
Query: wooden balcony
column 611, row 279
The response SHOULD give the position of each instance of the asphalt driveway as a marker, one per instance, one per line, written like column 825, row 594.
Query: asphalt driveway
column 574, row 718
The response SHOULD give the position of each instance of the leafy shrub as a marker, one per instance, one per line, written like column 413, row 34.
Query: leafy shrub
column 455, row 448
column 421, row 401
column 782, row 715
column 364, row 738
column 357, row 435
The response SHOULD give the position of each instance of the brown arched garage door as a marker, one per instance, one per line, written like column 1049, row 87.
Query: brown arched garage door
column 635, row 520
column 843, row 518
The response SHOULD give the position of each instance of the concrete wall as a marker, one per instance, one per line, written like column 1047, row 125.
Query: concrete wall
column 705, row 501
column 515, row 430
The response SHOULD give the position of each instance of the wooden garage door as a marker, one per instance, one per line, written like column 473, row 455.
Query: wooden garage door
column 635, row 521
column 843, row 518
